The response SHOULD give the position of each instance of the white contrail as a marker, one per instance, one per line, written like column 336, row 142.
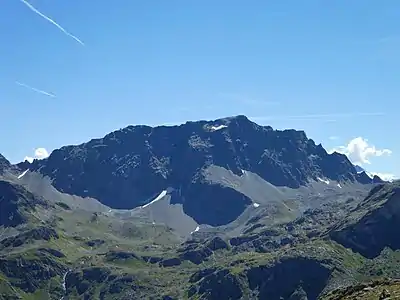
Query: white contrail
column 51, row 21
column 35, row 89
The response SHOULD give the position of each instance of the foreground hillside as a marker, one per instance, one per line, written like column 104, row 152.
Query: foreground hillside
column 53, row 248
column 379, row 289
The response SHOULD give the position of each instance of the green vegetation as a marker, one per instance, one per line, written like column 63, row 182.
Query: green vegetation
column 59, row 250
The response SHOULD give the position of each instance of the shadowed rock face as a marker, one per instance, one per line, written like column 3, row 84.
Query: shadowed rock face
column 130, row 167
column 4, row 164
column 291, row 278
column 14, row 202
column 30, row 273
column 39, row 233
column 374, row 224
column 218, row 285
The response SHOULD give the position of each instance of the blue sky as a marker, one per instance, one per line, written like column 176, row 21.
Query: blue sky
column 330, row 68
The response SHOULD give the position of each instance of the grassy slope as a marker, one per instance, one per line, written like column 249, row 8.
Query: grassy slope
column 76, row 227
column 155, row 280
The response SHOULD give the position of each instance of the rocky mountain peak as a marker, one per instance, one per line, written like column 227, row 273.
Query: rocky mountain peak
column 377, row 179
column 365, row 178
column 130, row 167
column 276, row 240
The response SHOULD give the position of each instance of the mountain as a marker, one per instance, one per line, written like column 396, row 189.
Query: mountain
column 372, row 225
column 223, row 209
column 4, row 164
column 359, row 169
column 131, row 167
column 366, row 177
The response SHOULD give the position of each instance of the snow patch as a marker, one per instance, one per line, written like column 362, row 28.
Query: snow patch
column 323, row 180
column 197, row 229
column 219, row 127
column 339, row 186
column 256, row 205
column 159, row 197
column 370, row 175
column 23, row 174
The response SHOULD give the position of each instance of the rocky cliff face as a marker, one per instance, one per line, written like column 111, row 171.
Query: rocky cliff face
column 16, row 203
column 373, row 224
column 30, row 273
column 291, row 278
column 130, row 167
column 364, row 178
column 4, row 164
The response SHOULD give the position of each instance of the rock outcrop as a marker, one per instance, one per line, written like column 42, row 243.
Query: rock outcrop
column 36, row 234
column 4, row 164
column 373, row 224
column 16, row 203
column 30, row 273
column 288, row 278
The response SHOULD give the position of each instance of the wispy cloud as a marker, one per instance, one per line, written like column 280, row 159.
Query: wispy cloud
column 35, row 89
column 317, row 117
column 52, row 22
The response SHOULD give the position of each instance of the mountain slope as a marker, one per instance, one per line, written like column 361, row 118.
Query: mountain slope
column 359, row 169
column 373, row 224
column 77, row 248
column 379, row 289
column 42, row 240
column 17, row 204
column 130, row 167
column 67, row 249
column 72, row 252
column 4, row 164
